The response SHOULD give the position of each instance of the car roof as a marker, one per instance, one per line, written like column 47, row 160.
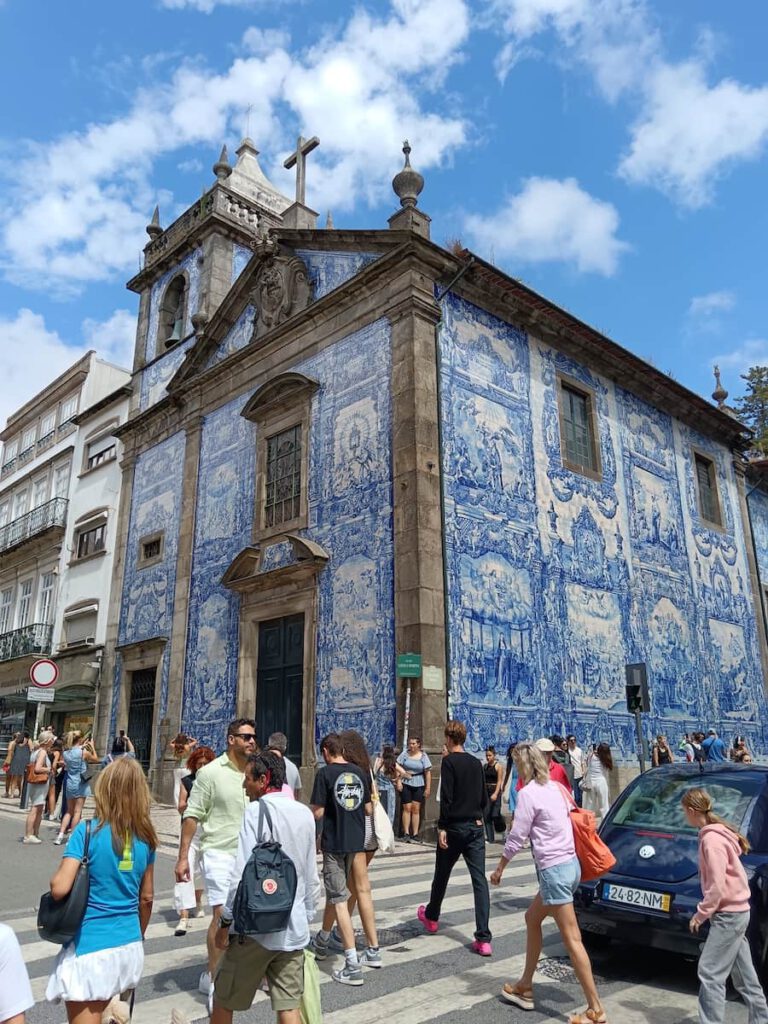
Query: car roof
column 706, row 769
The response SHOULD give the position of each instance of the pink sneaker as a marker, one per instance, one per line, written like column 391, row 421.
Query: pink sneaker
column 481, row 948
column 431, row 926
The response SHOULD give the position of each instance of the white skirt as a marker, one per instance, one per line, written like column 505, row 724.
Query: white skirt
column 100, row 975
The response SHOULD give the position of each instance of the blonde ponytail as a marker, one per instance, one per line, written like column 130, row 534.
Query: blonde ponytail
column 700, row 801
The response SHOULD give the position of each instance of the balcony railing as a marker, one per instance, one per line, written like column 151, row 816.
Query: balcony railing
column 45, row 517
column 33, row 639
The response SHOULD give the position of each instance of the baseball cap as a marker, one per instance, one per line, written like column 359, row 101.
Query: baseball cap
column 546, row 746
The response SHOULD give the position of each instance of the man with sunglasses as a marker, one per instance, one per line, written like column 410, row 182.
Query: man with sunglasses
column 217, row 804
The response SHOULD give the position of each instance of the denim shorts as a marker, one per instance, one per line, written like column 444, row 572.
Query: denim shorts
column 558, row 883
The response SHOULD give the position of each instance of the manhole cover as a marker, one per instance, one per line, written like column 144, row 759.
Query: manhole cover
column 400, row 933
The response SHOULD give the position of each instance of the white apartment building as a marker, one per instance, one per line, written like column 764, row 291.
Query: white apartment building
column 59, row 495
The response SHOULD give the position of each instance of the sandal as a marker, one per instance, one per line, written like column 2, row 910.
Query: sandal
column 588, row 1017
column 520, row 997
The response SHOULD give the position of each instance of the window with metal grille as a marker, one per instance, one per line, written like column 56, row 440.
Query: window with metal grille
column 577, row 429
column 151, row 549
column 91, row 541
column 283, row 488
column 706, row 485
column 25, row 603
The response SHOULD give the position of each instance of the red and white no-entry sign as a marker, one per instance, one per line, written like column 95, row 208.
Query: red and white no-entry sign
column 44, row 672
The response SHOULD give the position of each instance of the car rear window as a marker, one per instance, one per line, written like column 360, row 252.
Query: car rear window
column 654, row 803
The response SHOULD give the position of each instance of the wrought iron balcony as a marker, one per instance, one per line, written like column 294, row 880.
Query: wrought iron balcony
column 32, row 639
column 51, row 515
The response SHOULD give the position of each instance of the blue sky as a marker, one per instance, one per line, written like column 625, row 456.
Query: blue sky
column 610, row 153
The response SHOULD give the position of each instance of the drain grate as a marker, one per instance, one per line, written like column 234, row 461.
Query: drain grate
column 558, row 968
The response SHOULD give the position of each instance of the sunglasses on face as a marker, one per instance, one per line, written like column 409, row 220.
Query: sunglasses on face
column 247, row 736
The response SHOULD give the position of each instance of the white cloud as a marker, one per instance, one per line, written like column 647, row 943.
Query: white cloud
column 33, row 355
column 191, row 166
column 752, row 352
column 207, row 6
column 688, row 133
column 552, row 221
column 358, row 88
column 113, row 338
column 261, row 41
column 713, row 302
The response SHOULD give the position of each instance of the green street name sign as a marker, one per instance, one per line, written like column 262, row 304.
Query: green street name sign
column 408, row 666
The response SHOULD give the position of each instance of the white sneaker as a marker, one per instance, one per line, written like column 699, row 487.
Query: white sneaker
column 199, row 910
column 181, row 926
column 205, row 984
column 31, row 839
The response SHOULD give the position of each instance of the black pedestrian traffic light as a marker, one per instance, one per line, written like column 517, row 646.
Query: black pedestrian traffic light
column 637, row 688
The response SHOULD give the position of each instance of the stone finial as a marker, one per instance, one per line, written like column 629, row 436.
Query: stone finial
column 153, row 229
column 329, row 222
column 408, row 183
column 222, row 168
column 719, row 395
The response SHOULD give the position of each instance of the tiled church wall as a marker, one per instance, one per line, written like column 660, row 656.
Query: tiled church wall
column 557, row 581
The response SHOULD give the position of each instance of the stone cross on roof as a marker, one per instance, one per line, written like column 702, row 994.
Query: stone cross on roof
column 299, row 159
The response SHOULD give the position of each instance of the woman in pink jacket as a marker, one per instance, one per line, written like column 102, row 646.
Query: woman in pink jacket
column 725, row 904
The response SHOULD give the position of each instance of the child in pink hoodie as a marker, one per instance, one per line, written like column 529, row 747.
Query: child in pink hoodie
column 725, row 904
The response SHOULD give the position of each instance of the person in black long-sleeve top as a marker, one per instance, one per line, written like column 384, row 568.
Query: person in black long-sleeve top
column 463, row 800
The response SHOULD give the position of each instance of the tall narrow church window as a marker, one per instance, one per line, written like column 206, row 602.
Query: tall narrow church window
column 171, row 326
column 283, row 477
column 706, row 486
column 577, row 430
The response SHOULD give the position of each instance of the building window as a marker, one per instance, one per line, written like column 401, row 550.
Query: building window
column 20, row 503
column 91, row 541
column 151, row 549
column 80, row 626
column 25, row 604
column 40, row 492
column 171, row 325
column 101, row 451
column 9, row 456
column 6, row 609
column 283, row 478
column 5, row 509
column 47, row 425
column 28, row 439
column 45, row 600
column 578, row 435
column 68, row 410
column 61, row 481
column 706, row 486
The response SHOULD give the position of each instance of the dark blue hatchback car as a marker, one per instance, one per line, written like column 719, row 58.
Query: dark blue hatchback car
column 651, row 894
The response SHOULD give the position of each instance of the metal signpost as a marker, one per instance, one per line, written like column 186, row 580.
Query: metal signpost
column 408, row 668
column 43, row 673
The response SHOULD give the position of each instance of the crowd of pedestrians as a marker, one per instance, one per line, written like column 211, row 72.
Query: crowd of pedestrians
column 232, row 803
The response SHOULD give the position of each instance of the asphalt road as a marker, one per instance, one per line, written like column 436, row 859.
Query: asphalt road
column 431, row 979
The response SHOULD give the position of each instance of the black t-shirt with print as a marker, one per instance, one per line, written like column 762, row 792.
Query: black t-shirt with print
column 343, row 791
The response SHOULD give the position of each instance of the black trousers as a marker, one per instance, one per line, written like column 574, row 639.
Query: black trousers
column 492, row 815
column 467, row 840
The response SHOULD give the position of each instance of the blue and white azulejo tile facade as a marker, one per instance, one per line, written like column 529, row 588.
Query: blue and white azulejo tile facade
column 148, row 593
column 556, row 581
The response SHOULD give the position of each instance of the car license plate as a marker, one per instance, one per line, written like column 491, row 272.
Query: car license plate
column 640, row 898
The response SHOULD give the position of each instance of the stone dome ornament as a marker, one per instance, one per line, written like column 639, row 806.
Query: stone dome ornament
column 222, row 168
column 719, row 395
column 408, row 183
column 153, row 229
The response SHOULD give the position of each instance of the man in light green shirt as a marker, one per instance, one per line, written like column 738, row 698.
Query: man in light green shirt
column 217, row 803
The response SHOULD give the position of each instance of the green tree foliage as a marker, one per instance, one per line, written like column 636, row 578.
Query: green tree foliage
column 752, row 407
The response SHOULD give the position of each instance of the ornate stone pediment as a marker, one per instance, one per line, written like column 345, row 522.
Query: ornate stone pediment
column 280, row 289
column 287, row 558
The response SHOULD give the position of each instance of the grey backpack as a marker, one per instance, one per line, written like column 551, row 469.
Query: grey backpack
column 267, row 890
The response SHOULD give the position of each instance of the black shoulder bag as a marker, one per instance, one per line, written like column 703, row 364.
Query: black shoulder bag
column 59, row 920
